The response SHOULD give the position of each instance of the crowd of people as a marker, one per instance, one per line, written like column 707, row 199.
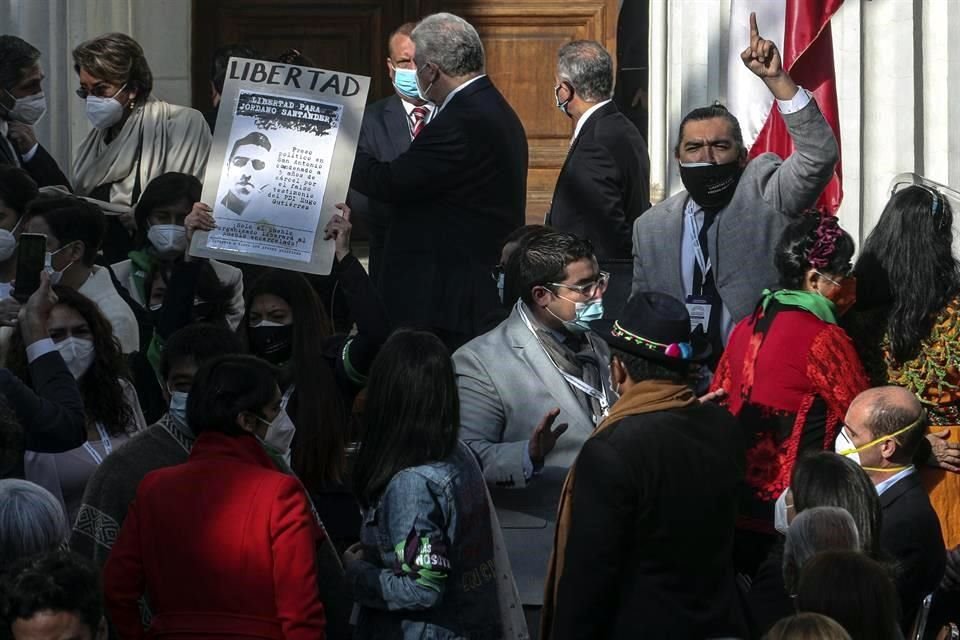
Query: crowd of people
column 755, row 436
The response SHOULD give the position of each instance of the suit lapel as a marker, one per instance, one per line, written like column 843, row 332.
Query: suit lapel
column 571, row 410
column 898, row 489
column 667, row 244
column 396, row 123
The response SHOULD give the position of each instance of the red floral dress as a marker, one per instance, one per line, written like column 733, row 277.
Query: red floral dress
column 789, row 378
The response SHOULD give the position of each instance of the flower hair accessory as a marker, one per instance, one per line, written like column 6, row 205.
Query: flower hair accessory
column 673, row 350
column 827, row 233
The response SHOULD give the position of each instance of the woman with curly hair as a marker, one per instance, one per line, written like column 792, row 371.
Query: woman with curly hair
column 790, row 372
column 92, row 354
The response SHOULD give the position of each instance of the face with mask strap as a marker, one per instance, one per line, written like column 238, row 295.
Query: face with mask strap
column 107, row 101
column 570, row 304
column 258, row 421
column 177, row 385
column 711, row 161
column 10, row 227
column 61, row 257
column 402, row 70
column 563, row 93
column 839, row 288
column 29, row 101
column 165, row 230
column 270, row 327
column 73, row 339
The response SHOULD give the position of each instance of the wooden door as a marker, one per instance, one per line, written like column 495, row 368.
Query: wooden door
column 521, row 38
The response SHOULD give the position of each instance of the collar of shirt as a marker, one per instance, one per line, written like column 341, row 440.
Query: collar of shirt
column 409, row 107
column 894, row 479
column 583, row 118
column 450, row 95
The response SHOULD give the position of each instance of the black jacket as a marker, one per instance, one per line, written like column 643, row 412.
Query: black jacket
column 50, row 415
column 42, row 167
column 649, row 552
column 384, row 135
column 604, row 184
column 911, row 534
column 459, row 190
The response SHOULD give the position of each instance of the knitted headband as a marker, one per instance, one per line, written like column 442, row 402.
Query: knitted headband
column 826, row 233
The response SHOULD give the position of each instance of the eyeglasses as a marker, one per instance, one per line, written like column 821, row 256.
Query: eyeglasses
column 591, row 289
column 99, row 90
column 240, row 161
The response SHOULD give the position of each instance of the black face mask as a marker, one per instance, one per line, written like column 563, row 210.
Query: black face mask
column 711, row 185
column 273, row 344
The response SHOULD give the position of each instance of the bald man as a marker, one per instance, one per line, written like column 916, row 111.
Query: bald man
column 886, row 426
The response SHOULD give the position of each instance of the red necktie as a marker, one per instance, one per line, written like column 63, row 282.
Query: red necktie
column 419, row 120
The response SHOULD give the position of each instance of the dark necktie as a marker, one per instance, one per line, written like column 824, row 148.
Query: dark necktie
column 708, row 289
column 419, row 119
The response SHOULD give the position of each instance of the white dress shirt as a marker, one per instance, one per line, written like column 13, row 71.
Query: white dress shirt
column 458, row 90
column 583, row 118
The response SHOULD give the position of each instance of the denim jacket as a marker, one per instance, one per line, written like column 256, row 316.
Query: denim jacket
column 429, row 568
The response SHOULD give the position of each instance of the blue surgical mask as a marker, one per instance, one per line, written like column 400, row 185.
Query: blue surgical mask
column 178, row 411
column 585, row 313
column 405, row 82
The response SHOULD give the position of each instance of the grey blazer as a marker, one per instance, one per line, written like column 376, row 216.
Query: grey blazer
column 507, row 384
column 743, row 238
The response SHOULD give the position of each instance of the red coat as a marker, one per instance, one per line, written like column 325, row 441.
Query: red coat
column 224, row 546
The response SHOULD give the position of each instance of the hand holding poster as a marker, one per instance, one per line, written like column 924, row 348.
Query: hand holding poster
column 281, row 159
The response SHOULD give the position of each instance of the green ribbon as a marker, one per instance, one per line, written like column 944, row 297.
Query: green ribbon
column 815, row 303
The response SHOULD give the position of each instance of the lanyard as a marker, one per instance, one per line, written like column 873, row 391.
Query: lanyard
column 107, row 445
column 694, row 229
column 575, row 382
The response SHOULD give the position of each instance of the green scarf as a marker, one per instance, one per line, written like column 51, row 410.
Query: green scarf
column 815, row 303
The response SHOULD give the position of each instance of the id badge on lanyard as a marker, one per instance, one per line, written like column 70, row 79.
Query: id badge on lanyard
column 700, row 307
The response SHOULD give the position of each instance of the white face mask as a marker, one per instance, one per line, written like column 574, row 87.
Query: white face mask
column 780, row 522
column 168, row 239
column 29, row 109
column 8, row 242
column 280, row 434
column 103, row 113
column 77, row 354
column 54, row 275
column 844, row 444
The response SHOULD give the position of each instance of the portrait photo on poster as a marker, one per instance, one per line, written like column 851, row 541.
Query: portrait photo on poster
column 281, row 159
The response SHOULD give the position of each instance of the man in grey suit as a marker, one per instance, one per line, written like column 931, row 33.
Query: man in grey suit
column 389, row 125
column 712, row 245
column 538, row 366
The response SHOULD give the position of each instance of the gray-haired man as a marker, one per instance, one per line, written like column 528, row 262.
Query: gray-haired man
column 605, row 182
column 459, row 189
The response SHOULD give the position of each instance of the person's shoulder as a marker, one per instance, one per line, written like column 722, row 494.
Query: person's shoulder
column 494, row 340
column 664, row 210
column 184, row 114
column 226, row 272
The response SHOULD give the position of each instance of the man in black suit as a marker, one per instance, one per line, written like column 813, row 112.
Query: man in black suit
column 886, row 426
column 389, row 125
column 22, row 104
column 605, row 181
column 458, row 191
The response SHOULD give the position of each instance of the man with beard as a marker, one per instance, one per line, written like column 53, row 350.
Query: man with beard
column 721, row 231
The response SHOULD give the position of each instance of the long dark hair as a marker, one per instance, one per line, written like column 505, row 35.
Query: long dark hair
column 412, row 414
column 799, row 242
column 317, row 407
column 226, row 387
column 907, row 265
column 826, row 479
column 854, row 590
column 100, row 387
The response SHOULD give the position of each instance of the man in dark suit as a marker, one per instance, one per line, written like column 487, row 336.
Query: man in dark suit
column 22, row 104
column 605, row 181
column 459, row 189
column 389, row 125
column 645, row 527
column 886, row 426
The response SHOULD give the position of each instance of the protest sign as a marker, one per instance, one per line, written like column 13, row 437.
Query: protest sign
column 281, row 159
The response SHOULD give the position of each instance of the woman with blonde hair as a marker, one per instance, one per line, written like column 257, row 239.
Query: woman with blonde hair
column 135, row 138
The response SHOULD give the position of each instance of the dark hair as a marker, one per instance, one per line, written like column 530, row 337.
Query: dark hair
column 412, row 412
column 118, row 59
column 12, row 442
column 167, row 189
column 202, row 342
column 826, row 479
column 17, row 188
column 215, row 295
column 317, row 408
column 224, row 388
column 218, row 66
column 70, row 220
column 907, row 264
column 716, row 110
column 103, row 394
column 854, row 590
column 510, row 291
column 255, row 138
column 57, row 581
column 295, row 56
column 544, row 257
column 799, row 239
column 16, row 57
column 640, row 369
